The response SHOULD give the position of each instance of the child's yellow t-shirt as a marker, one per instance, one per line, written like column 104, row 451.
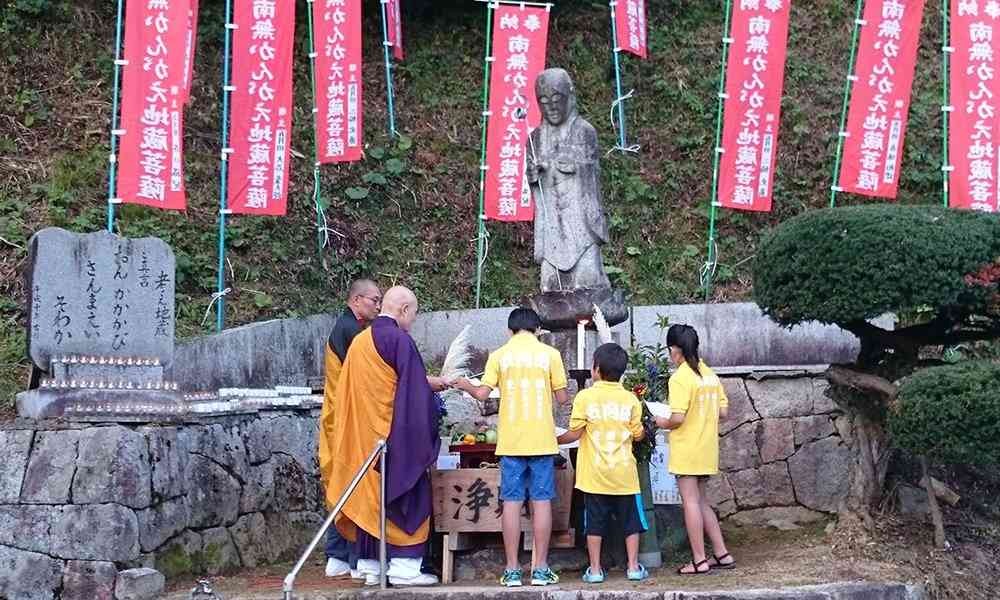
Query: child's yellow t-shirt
column 694, row 446
column 611, row 417
column 526, row 372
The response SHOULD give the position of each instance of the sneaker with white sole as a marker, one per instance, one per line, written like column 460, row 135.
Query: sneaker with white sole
column 511, row 578
column 637, row 575
column 544, row 576
column 336, row 567
column 417, row 580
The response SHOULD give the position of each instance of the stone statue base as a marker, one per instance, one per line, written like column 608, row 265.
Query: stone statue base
column 561, row 310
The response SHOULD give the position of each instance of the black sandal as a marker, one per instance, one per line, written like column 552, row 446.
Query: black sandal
column 695, row 566
column 721, row 565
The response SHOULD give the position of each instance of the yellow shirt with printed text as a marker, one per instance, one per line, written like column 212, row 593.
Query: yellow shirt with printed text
column 611, row 417
column 526, row 372
column 694, row 446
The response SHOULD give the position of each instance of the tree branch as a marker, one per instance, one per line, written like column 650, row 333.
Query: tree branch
column 866, row 382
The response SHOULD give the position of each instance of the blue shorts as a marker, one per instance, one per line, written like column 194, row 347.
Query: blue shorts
column 527, row 478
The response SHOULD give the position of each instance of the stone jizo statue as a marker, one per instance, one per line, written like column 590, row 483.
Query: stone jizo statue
column 564, row 172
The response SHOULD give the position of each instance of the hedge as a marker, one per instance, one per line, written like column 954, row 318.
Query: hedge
column 950, row 414
column 842, row 265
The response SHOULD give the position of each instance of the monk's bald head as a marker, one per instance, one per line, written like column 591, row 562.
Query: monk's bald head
column 401, row 304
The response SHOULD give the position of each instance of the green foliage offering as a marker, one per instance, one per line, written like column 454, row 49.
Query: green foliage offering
column 950, row 414
column 647, row 376
column 845, row 265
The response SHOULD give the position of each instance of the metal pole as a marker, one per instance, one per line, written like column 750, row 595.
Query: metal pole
column 227, row 88
column 113, row 157
column 383, row 571
column 481, row 215
column 945, row 50
column 615, row 51
column 288, row 585
column 713, row 202
column 835, row 186
column 388, row 70
column 316, row 187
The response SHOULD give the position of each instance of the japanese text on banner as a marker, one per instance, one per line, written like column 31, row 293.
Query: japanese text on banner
column 880, row 97
column 261, row 121
column 972, row 132
column 151, row 157
column 520, row 35
column 630, row 25
column 754, row 81
column 394, row 27
column 338, row 80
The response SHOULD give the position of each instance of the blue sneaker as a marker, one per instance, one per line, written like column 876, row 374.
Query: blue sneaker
column 591, row 577
column 511, row 578
column 544, row 576
column 639, row 575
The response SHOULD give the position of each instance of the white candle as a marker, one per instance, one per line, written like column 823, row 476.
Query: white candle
column 579, row 343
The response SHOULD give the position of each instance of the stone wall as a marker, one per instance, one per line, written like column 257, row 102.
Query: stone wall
column 79, row 504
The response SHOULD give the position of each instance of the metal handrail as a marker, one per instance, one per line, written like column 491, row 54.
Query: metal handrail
column 379, row 452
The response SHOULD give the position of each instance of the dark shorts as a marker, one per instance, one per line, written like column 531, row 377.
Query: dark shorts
column 600, row 509
column 527, row 478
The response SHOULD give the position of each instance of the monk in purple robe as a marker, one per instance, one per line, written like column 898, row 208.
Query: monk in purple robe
column 385, row 393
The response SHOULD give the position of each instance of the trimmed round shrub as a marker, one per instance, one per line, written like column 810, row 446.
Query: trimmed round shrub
column 842, row 265
column 950, row 414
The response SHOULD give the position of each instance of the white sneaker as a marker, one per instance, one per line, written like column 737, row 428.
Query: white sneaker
column 421, row 579
column 336, row 567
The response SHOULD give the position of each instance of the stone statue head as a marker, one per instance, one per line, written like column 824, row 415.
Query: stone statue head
column 556, row 96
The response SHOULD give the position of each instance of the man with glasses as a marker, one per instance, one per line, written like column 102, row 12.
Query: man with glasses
column 364, row 300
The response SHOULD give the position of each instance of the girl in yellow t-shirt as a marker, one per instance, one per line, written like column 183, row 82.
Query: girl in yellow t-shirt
column 697, row 402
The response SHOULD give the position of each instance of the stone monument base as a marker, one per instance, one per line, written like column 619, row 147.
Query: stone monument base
column 562, row 310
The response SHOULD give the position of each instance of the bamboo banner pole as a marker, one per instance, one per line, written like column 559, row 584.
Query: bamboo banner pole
column 615, row 56
column 389, row 93
column 227, row 88
column 851, row 77
column 317, row 192
column 708, row 271
column 481, row 214
column 946, row 49
column 115, row 132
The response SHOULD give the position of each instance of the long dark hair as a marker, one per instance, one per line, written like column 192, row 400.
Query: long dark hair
column 685, row 338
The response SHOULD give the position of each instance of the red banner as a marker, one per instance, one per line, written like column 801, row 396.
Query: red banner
column 754, row 80
column 973, row 123
column 261, row 119
column 880, row 97
column 338, row 80
column 151, row 158
column 189, row 48
column 630, row 25
column 394, row 27
column 520, row 35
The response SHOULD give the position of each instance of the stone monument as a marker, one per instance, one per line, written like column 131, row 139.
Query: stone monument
column 100, row 324
column 564, row 172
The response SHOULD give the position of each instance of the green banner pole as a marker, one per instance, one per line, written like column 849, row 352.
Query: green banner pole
column 709, row 269
column 481, row 214
column 946, row 49
column 851, row 77
column 387, row 56
column 317, row 193
column 113, row 157
column 227, row 89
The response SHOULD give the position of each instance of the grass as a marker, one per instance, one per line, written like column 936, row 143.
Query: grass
column 406, row 214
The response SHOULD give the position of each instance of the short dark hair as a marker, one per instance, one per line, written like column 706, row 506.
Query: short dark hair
column 523, row 319
column 611, row 360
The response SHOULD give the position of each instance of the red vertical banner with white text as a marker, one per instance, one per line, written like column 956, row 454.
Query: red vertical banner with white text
column 973, row 124
column 394, row 27
column 630, row 25
column 520, row 36
column 754, row 79
column 339, row 116
column 880, row 97
column 190, row 44
column 151, row 156
column 261, row 118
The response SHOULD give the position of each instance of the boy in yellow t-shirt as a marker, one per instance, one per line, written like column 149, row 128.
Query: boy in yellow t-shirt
column 528, row 374
column 608, row 418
